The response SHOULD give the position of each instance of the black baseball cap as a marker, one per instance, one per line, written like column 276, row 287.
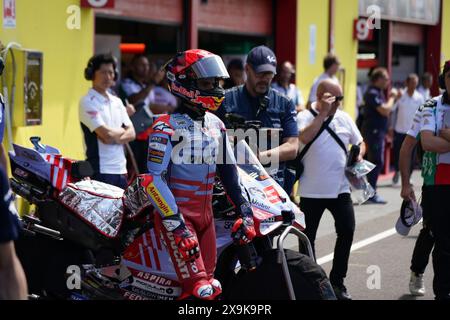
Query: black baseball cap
column 262, row 59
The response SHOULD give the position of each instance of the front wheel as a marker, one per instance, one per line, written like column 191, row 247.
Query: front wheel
column 267, row 282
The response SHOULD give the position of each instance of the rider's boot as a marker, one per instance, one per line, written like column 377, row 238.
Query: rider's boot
column 204, row 290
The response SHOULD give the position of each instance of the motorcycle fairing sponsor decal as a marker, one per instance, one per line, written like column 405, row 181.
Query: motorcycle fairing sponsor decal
column 260, row 204
column 133, row 293
column 32, row 160
column 21, row 173
column 272, row 194
column 265, row 221
column 149, row 253
column 156, row 289
column 154, row 278
column 256, row 192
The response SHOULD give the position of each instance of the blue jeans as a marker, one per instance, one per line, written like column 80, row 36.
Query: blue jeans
column 375, row 154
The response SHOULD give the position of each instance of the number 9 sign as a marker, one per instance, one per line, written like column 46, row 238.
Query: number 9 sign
column 362, row 31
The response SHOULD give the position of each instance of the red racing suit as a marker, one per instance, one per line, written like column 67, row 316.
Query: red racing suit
column 183, row 158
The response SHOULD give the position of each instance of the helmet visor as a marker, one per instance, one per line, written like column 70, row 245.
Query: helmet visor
column 210, row 67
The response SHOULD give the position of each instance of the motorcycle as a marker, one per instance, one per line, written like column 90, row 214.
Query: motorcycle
column 89, row 240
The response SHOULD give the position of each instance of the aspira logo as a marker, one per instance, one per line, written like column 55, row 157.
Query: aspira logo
column 157, row 198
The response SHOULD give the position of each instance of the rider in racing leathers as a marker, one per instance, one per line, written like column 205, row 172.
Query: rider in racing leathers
column 182, row 171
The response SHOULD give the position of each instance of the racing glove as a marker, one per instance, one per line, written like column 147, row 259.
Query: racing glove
column 243, row 230
column 186, row 242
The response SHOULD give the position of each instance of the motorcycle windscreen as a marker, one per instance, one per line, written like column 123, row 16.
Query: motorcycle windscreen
column 267, row 198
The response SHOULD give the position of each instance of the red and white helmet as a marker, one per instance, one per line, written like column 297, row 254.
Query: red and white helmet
column 186, row 68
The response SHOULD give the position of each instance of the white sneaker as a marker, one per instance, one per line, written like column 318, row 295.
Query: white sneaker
column 416, row 284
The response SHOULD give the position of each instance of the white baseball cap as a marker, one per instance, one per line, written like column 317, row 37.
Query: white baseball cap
column 410, row 215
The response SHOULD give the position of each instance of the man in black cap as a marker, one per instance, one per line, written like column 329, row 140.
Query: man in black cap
column 256, row 100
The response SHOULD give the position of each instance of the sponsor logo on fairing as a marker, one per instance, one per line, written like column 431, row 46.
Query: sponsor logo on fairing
column 156, row 279
column 272, row 194
column 154, row 288
column 150, row 295
column 269, row 220
column 21, row 173
column 256, row 192
column 260, row 204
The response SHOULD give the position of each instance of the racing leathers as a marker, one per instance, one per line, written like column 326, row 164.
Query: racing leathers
column 183, row 157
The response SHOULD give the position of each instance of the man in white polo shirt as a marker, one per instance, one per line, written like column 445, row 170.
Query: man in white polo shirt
column 323, row 184
column 404, row 111
column 105, row 123
column 331, row 66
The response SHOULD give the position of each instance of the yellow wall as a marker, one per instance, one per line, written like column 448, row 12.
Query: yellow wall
column 445, row 49
column 347, row 49
column 310, row 13
column 317, row 13
column 41, row 25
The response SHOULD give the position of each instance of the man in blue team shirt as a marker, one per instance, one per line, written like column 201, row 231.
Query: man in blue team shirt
column 256, row 100
column 377, row 110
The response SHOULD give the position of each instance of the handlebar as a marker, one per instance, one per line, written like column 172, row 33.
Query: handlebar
column 236, row 121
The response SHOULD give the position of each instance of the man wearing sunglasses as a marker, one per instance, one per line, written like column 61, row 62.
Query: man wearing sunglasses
column 323, row 184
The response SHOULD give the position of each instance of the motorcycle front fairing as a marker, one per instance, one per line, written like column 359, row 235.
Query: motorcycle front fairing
column 267, row 198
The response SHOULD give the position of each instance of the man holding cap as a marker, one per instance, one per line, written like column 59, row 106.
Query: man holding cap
column 256, row 100
column 435, row 137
